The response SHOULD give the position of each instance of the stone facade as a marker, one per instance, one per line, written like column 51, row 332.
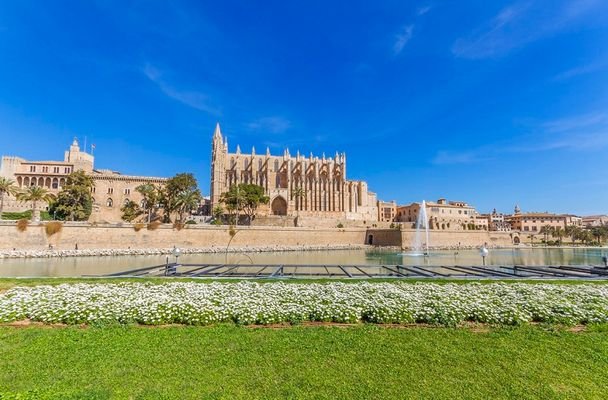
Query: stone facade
column 533, row 222
column 110, row 192
column 324, row 191
column 497, row 221
column 443, row 215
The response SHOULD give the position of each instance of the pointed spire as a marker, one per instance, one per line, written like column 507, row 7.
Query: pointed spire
column 253, row 150
column 323, row 156
column 217, row 132
column 311, row 156
column 267, row 151
column 238, row 149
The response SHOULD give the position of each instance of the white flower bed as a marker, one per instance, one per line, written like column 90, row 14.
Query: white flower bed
column 268, row 303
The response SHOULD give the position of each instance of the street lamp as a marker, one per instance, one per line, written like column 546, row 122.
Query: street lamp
column 483, row 252
column 176, row 252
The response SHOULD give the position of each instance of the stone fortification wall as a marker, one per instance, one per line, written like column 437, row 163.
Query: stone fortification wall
column 405, row 238
column 191, row 236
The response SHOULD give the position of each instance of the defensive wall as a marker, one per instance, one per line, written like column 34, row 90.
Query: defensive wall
column 124, row 236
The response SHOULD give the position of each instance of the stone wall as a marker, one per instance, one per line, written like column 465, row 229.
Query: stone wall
column 125, row 236
column 453, row 238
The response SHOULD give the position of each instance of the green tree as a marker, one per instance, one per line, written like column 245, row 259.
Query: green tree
column 8, row 187
column 187, row 201
column 546, row 231
column 130, row 210
column 573, row 232
column 245, row 197
column 74, row 202
column 174, row 187
column 217, row 213
column 35, row 194
column 298, row 193
column 150, row 194
column 558, row 232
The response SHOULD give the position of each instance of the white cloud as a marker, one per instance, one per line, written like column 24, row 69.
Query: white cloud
column 521, row 23
column 423, row 10
column 193, row 99
column 275, row 125
column 587, row 132
column 582, row 70
column 402, row 38
column 450, row 157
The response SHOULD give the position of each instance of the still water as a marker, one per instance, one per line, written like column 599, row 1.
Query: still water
column 83, row 266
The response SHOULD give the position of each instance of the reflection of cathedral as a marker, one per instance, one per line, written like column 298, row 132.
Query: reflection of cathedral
column 306, row 186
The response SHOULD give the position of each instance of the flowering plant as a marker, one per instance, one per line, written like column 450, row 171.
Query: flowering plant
column 268, row 303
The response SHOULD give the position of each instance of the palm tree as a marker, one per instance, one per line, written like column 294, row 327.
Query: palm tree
column 572, row 231
column 149, row 192
column 298, row 193
column 35, row 194
column 558, row 232
column 7, row 186
column 531, row 237
column 546, row 231
column 186, row 201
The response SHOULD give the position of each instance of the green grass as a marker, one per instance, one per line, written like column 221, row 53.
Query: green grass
column 7, row 283
column 361, row 362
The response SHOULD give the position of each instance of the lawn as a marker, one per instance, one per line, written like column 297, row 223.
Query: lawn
column 319, row 362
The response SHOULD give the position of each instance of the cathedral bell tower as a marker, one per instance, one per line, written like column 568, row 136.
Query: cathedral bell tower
column 219, row 150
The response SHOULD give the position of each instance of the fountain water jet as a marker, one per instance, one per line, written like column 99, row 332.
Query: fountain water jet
column 422, row 226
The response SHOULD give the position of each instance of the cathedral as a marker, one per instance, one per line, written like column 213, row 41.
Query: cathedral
column 296, row 185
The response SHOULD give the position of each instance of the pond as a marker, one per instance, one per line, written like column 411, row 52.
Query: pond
column 86, row 266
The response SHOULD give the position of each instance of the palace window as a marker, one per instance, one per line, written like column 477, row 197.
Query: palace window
column 45, row 169
column 109, row 202
column 32, row 168
column 127, row 191
column 110, row 190
column 67, row 170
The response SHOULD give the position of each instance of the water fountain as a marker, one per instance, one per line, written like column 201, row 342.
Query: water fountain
column 420, row 248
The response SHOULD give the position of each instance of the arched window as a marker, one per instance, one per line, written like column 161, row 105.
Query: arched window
column 126, row 201
column 55, row 184
column 232, row 163
column 20, row 181
column 245, row 163
column 276, row 165
column 109, row 203
column 260, row 164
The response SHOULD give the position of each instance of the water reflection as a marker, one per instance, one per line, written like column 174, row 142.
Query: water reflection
column 82, row 266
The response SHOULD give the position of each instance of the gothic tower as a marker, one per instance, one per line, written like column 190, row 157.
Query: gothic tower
column 219, row 150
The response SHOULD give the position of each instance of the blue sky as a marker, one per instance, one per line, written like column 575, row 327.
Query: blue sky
column 494, row 103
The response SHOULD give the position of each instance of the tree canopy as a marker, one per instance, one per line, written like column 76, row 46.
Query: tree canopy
column 74, row 202
column 179, row 195
column 245, row 197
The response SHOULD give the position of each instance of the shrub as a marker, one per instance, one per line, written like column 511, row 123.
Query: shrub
column 138, row 227
column 53, row 227
column 340, row 225
column 154, row 225
column 191, row 222
column 22, row 224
